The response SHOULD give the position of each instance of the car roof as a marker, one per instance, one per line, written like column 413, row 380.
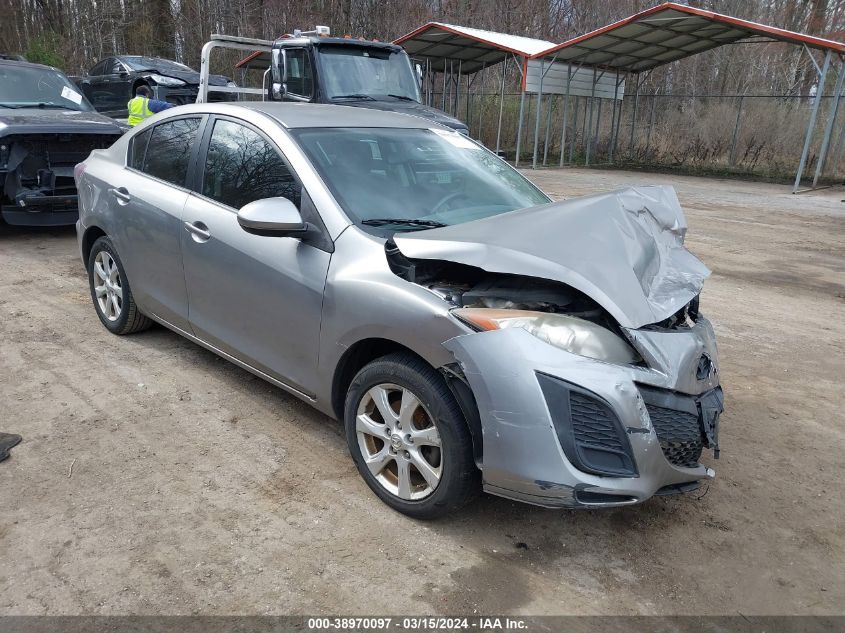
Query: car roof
column 15, row 62
column 310, row 115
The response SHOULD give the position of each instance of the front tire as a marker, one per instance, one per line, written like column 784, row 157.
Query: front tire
column 408, row 437
column 110, row 291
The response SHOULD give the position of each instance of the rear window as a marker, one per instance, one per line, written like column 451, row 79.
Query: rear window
column 169, row 150
column 137, row 150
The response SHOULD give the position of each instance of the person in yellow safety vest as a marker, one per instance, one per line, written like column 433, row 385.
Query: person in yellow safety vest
column 142, row 106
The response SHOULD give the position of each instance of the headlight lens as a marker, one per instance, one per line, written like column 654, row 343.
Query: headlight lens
column 565, row 332
column 161, row 80
column 231, row 84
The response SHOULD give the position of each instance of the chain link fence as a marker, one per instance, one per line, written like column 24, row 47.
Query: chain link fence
column 759, row 136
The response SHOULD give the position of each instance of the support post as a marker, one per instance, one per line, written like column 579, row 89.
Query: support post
column 443, row 96
column 589, row 128
column 501, row 107
column 565, row 113
column 548, row 129
column 481, row 99
column 650, row 125
column 457, row 90
column 469, row 106
column 519, row 127
column 614, row 125
column 619, row 117
column 811, row 124
column 732, row 158
column 538, row 115
column 634, row 118
column 574, row 132
column 831, row 118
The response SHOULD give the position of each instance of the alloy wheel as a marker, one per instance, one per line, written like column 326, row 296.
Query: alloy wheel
column 399, row 441
column 107, row 286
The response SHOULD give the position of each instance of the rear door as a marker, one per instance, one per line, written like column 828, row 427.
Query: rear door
column 150, row 201
column 257, row 298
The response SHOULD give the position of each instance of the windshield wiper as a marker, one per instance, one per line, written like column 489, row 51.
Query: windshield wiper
column 42, row 105
column 355, row 96
column 403, row 98
column 424, row 224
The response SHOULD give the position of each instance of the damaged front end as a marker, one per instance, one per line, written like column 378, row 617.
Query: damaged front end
column 588, row 392
column 36, row 176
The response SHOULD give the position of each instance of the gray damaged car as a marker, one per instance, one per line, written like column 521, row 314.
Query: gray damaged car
column 469, row 332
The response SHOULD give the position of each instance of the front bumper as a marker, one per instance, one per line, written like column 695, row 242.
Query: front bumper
column 536, row 447
column 37, row 209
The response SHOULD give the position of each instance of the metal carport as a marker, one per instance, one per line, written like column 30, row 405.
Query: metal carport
column 456, row 51
column 670, row 32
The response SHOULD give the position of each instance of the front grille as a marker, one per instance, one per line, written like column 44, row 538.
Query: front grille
column 592, row 422
column 679, row 433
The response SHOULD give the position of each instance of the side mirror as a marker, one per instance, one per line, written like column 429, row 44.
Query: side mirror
column 272, row 216
column 279, row 72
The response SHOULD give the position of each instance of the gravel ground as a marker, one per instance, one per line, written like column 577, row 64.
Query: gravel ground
column 156, row 478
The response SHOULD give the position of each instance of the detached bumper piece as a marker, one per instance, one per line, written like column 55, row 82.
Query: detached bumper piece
column 590, row 434
column 685, row 425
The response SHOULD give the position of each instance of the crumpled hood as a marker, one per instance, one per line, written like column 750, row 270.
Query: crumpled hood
column 53, row 121
column 410, row 107
column 624, row 249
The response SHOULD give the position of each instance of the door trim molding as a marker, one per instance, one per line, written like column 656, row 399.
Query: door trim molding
column 274, row 381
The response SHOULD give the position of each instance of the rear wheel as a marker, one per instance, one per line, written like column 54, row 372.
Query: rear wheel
column 110, row 291
column 408, row 437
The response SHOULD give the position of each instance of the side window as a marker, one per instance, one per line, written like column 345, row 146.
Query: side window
column 137, row 149
column 300, row 80
column 169, row 150
column 242, row 167
column 97, row 70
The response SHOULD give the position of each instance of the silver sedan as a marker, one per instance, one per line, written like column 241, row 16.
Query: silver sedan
column 470, row 333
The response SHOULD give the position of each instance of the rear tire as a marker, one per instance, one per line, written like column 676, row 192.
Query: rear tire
column 110, row 291
column 409, row 439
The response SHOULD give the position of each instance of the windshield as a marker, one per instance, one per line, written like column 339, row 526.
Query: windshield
column 30, row 86
column 429, row 176
column 136, row 62
column 372, row 72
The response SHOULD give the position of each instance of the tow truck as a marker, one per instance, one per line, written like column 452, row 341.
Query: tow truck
column 314, row 67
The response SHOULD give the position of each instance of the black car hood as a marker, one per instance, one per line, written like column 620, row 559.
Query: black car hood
column 54, row 121
column 188, row 76
column 408, row 107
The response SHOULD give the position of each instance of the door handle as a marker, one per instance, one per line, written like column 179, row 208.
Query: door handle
column 121, row 194
column 198, row 231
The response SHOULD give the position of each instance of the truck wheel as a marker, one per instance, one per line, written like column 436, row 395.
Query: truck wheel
column 409, row 438
column 110, row 291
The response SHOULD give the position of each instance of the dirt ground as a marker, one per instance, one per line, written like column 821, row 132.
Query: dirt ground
column 156, row 478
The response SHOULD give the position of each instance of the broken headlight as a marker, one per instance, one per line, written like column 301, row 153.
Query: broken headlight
column 170, row 82
column 565, row 332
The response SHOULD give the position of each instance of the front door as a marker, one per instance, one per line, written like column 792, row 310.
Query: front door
column 257, row 298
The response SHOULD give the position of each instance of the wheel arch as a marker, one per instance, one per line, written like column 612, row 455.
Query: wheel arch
column 367, row 350
column 91, row 235
column 353, row 360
